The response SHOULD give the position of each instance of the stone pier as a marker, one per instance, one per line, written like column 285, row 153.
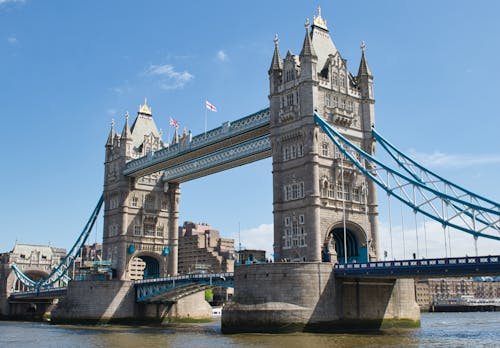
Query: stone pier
column 106, row 302
column 283, row 297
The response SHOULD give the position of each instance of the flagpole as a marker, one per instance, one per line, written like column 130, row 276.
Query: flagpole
column 206, row 117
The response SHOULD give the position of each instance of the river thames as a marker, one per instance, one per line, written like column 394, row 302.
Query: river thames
column 438, row 330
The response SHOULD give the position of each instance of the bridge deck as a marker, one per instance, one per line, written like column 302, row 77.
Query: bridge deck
column 425, row 268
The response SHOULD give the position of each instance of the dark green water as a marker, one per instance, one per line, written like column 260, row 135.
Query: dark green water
column 438, row 330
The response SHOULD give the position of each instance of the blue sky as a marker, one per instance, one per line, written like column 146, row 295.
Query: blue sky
column 68, row 68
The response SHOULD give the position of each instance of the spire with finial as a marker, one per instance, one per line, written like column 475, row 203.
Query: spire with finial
column 144, row 108
column 364, row 69
column 175, row 138
column 307, row 47
column 276, row 62
column 126, row 134
column 318, row 21
column 109, row 142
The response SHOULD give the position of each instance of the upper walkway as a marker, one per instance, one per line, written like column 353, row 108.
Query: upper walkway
column 232, row 144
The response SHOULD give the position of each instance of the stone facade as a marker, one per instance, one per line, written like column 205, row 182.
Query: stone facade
column 315, row 188
column 35, row 261
column 140, row 215
column 114, row 302
column 277, row 297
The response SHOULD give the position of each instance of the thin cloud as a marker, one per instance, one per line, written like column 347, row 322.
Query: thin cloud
column 221, row 56
column 6, row 2
column 169, row 77
column 11, row 39
column 112, row 112
column 260, row 237
column 442, row 160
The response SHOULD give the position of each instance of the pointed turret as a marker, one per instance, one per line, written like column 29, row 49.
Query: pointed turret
column 307, row 47
column 364, row 69
column 175, row 138
column 126, row 134
column 145, row 109
column 109, row 142
column 276, row 64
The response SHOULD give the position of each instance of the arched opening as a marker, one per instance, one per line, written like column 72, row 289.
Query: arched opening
column 355, row 252
column 33, row 275
column 144, row 267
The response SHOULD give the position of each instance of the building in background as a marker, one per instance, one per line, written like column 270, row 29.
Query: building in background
column 250, row 256
column 203, row 250
column 430, row 292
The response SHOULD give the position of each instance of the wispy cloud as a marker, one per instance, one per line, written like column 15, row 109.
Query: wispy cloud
column 5, row 2
column 260, row 237
column 221, row 56
column 443, row 160
column 169, row 77
column 111, row 112
column 12, row 39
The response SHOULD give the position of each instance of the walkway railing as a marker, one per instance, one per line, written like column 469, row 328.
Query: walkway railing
column 442, row 267
column 227, row 130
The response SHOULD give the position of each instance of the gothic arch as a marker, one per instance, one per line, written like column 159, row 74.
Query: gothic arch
column 356, row 242
column 144, row 265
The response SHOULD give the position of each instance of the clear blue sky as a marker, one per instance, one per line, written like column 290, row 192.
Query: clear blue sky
column 68, row 67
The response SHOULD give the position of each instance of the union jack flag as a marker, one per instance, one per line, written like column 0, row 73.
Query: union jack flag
column 174, row 123
column 210, row 106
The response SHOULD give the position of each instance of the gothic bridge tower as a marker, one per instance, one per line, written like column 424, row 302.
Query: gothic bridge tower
column 318, row 195
column 138, row 213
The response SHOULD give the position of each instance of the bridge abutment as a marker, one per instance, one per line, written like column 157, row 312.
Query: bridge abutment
column 103, row 302
column 281, row 297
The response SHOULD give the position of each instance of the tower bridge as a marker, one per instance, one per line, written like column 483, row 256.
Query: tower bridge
column 319, row 131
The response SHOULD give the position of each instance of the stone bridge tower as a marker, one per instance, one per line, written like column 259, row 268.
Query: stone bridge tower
column 140, row 213
column 319, row 196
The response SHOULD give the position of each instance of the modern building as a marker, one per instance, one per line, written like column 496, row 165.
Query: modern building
column 251, row 256
column 202, row 249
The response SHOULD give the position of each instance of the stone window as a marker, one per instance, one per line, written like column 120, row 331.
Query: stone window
column 349, row 106
column 286, row 154
column 135, row 201
column 335, row 102
column 327, row 99
column 335, row 79
column 149, row 202
column 300, row 150
column 159, row 230
column 324, row 149
column 137, row 230
column 342, row 103
column 163, row 205
column 149, row 229
column 342, row 80
column 294, row 191
column 294, row 151
column 301, row 219
column 356, row 196
column 343, row 193
column 289, row 99
column 287, row 221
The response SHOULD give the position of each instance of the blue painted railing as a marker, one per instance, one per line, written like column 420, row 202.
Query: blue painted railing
column 442, row 267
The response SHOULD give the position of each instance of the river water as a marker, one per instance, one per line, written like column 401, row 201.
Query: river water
column 438, row 330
